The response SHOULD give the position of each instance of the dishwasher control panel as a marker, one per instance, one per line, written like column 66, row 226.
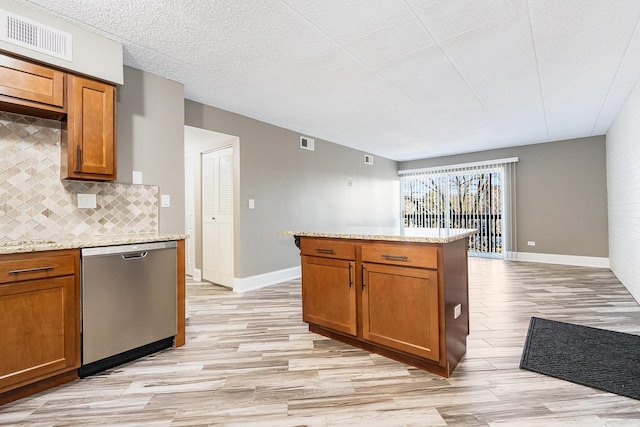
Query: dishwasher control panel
column 122, row 249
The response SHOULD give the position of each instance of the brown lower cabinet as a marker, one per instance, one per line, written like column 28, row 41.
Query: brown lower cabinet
column 40, row 318
column 406, row 301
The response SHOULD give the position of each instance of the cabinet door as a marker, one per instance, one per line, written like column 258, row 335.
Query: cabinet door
column 329, row 293
column 39, row 330
column 91, row 144
column 26, row 85
column 400, row 308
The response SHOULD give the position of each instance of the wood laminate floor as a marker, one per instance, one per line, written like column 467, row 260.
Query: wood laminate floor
column 250, row 361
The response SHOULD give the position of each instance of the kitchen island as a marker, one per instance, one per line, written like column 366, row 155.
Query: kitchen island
column 403, row 295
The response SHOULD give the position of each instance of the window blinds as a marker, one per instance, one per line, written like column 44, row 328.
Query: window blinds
column 470, row 196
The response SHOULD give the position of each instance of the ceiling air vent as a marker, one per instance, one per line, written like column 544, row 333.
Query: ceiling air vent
column 33, row 35
column 306, row 143
column 368, row 159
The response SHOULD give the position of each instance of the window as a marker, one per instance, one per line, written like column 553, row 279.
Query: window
column 471, row 196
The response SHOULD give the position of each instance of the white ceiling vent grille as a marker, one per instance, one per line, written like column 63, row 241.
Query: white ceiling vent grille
column 24, row 32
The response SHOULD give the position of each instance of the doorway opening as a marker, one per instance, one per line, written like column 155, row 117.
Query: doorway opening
column 211, row 168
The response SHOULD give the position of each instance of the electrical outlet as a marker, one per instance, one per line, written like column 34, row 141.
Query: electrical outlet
column 457, row 311
column 531, row 243
column 87, row 201
column 165, row 201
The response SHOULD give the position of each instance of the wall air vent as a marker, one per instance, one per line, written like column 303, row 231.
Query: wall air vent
column 33, row 35
column 307, row 143
column 368, row 159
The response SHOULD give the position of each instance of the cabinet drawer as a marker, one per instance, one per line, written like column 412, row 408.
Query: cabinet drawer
column 32, row 266
column 329, row 248
column 31, row 82
column 401, row 254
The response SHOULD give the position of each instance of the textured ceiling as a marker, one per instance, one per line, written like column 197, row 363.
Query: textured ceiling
column 403, row 79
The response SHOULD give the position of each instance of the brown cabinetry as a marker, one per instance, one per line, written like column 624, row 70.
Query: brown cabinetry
column 407, row 301
column 39, row 314
column 90, row 131
column 28, row 88
column 86, row 107
column 329, row 291
column 400, row 309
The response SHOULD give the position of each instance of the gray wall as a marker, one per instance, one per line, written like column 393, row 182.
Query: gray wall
column 296, row 189
column 561, row 194
column 151, row 139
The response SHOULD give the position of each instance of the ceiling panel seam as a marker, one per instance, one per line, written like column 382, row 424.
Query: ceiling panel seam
column 466, row 82
column 356, row 57
column 615, row 76
column 535, row 53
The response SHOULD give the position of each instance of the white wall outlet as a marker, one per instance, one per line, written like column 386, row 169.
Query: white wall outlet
column 137, row 177
column 349, row 182
column 531, row 243
column 87, row 201
column 165, row 201
column 457, row 311
column 252, row 204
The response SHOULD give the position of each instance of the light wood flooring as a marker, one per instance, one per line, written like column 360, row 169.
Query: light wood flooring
column 250, row 361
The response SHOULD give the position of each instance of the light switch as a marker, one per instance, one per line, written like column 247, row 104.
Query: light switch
column 137, row 177
column 252, row 204
column 165, row 201
column 87, row 201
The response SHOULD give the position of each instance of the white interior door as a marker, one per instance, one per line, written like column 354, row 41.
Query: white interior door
column 217, row 216
column 190, row 223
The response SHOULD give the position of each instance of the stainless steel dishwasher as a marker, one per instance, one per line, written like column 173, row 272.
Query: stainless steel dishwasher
column 129, row 303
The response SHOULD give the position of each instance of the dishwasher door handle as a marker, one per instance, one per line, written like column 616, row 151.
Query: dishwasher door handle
column 139, row 255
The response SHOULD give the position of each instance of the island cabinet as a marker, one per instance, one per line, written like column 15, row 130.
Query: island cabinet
column 40, row 318
column 404, row 300
column 329, row 291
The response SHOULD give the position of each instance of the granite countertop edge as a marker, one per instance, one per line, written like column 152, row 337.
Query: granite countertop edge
column 382, row 237
column 84, row 242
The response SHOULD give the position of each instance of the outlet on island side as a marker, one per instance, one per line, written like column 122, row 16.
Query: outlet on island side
column 457, row 311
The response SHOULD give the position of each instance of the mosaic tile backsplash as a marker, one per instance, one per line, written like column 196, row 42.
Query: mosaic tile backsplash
column 35, row 204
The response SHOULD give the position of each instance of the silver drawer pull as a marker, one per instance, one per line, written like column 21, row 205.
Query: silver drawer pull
column 396, row 257
column 325, row 251
column 31, row 270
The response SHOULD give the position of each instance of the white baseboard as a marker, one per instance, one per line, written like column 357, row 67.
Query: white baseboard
column 581, row 261
column 197, row 275
column 263, row 280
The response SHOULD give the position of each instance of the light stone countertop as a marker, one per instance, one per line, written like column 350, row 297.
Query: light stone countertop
column 14, row 247
column 419, row 235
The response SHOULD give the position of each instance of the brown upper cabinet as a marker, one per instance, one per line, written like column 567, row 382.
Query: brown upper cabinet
column 31, row 89
column 90, row 131
column 86, row 107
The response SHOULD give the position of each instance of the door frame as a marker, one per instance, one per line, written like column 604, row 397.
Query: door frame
column 198, row 141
